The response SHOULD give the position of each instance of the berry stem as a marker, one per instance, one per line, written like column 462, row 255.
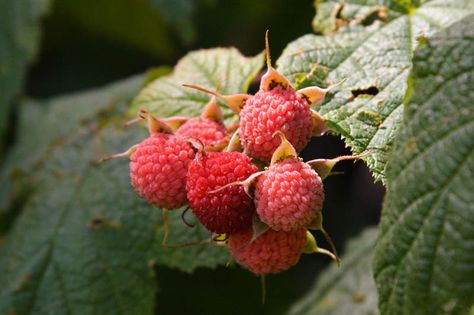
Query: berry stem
column 317, row 224
column 196, row 243
column 183, row 217
column 214, row 239
column 267, row 51
column 164, row 213
column 263, row 282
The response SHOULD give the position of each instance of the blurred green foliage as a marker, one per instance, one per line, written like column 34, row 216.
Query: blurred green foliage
column 19, row 36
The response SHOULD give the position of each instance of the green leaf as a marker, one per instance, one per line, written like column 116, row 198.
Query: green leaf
column 424, row 261
column 19, row 36
column 61, row 120
column 223, row 67
column 372, row 49
column 85, row 243
column 346, row 290
column 80, row 247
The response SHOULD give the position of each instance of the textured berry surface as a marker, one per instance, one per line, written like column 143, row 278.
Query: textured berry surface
column 272, row 252
column 211, row 133
column 270, row 111
column 158, row 170
column 226, row 211
column 289, row 195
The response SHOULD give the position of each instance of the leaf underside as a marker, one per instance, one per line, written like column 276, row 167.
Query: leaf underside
column 346, row 290
column 424, row 261
column 19, row 36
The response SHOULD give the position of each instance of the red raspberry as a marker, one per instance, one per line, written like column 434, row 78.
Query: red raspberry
column 230, row 209
column 211, row 133
column 271, row 252
column 289, row 195
column 158, row 169
column 278, row 109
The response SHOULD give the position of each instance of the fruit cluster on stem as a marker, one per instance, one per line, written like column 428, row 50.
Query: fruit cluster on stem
column 249, row 188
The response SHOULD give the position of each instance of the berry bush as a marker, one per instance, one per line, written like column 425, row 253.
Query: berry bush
column 173, row 191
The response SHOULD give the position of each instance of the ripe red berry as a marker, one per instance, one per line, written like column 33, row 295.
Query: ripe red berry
column 271, row 252
column 289, row 195
column 211, row 133
column 158, row 169
column 228, row 210
column 268, row 111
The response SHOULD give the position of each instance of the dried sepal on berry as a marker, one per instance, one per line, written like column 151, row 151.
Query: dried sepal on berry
column 234, row 143
column 154, row 124
column 319, row 126
column 284, row 151
column 317, row 224
column 272, row 77
column 324, row 166
column 315, row 95
column 311, row 247
column 208, row 128
column 289, row 194
column 234, row 101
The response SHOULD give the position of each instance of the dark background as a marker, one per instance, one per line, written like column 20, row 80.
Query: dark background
column 89, row 43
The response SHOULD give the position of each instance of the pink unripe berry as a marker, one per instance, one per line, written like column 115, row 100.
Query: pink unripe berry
column 289, row 195
column 271, row 252
column 269, row 111
column 158, row 169
column 209, row 132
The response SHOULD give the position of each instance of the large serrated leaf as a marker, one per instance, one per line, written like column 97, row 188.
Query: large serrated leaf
column 225, row 68
column 19, row 36
column 80, row 247
column 85, row 243
column 346, row 290
column 424, row 261
column 372, row 49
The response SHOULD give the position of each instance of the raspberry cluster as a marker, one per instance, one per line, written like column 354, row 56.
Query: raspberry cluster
column 264, row 213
